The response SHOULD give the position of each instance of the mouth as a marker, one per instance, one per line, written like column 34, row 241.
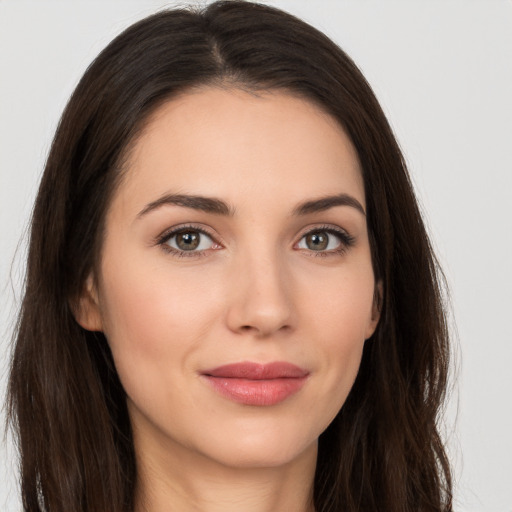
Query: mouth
column 257, row 384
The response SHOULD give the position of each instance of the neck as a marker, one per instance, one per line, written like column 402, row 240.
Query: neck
column 178, row 480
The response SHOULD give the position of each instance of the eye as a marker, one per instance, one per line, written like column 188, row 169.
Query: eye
column 187, row 240
column 325, row 240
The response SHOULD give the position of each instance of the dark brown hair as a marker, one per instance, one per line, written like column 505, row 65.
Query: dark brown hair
column 383, row 451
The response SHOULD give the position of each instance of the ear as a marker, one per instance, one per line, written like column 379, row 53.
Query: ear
column 378, row 295
column 86, row 308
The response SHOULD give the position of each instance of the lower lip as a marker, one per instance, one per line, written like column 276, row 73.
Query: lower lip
column 256, row 392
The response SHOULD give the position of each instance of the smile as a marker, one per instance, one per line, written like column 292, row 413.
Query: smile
column 257, row 384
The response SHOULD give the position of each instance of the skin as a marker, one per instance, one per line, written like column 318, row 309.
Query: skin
column 253, row 291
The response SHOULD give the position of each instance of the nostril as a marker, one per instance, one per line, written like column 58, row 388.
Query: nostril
column 262, row 329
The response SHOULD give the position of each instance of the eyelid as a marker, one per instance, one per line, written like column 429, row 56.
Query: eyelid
column 346, row 239
column 165, row 236
column 332, row 228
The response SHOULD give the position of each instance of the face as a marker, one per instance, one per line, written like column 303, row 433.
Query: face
column 236, row 288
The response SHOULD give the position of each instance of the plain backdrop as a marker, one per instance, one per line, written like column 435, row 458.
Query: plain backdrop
column 442, row 70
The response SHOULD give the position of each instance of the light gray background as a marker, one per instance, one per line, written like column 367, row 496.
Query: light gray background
column 443, row 73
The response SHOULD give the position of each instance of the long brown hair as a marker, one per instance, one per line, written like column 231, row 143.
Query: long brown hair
column 383, row 451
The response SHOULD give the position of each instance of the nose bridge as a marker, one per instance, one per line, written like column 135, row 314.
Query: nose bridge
column 261, row 300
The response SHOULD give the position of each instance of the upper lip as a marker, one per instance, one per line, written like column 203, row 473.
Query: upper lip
column 257, row 371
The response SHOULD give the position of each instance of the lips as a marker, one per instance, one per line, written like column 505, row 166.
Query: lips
column 257, row 384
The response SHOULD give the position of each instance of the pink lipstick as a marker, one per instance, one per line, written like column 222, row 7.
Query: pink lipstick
column 257, row 384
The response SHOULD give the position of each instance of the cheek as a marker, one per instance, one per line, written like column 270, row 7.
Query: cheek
column 341, row 304
column 153, row 318
column 338, row 319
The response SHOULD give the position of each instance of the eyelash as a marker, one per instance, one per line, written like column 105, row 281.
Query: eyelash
column 167, row 235
column 346, row 241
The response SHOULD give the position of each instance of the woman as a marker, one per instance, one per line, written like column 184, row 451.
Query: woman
column 231, row 300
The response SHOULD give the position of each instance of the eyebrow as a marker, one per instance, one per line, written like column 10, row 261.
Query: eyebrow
column 205, row 204
column 219, row 207
column 327, row 202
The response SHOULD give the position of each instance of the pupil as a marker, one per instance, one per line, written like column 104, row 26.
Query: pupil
column 317, row 241
column 188, row 240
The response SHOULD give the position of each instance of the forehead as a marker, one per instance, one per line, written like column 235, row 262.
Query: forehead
column 236, row 145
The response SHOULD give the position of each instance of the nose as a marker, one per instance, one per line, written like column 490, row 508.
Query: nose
column 260, row 297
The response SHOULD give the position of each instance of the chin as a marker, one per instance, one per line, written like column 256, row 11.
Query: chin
column 258, row 445
column 254, row 455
